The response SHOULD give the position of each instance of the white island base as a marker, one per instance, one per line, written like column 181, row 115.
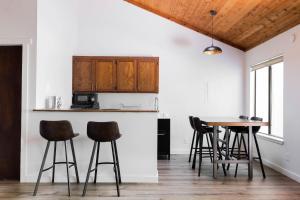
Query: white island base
column 137, row 148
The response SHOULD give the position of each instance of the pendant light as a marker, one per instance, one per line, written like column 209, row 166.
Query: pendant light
column 212, row 50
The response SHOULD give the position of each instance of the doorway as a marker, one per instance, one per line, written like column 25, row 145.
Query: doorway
column 10, row 111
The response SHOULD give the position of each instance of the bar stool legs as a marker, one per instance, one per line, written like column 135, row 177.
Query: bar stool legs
column 118, row 163
column 74, row 160
column 200, row 154
column 195, row 151
column 54, row 160
column 192, row 145
column 96, row 164
column 115, row 167
column 242, row 140
column 89, row 169
column 41, row 169
column 68, row 165
column 115, row 163
column 259, row 156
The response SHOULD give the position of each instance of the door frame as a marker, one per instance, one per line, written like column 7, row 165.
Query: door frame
column 27, row 61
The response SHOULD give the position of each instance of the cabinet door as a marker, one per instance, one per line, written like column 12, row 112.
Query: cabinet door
column 126, row 76
column 105, row 75
column 83, row 78
column 147, row 76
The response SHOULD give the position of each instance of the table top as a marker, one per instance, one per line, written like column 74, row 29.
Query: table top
column 231, row 121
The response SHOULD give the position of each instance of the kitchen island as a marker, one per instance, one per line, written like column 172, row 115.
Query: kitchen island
column 137, row 147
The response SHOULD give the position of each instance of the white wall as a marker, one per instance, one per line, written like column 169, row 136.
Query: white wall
column 18, row 23
column 284, row 158
column 56, row 40
column 190, row 82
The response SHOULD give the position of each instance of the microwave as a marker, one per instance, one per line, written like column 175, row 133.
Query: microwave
column 85, row 100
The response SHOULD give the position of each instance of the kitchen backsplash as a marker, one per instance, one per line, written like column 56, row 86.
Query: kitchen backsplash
column 127, row 101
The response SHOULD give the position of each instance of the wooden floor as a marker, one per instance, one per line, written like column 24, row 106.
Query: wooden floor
column 176, row 181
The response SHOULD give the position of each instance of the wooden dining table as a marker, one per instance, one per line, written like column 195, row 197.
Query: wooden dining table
column 226, row 122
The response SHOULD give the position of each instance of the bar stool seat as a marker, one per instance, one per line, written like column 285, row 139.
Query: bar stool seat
column 57, row 131
column 103, row 132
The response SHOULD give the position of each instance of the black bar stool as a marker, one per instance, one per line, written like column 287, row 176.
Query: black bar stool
column 194, row 133
column 103, row 132
column 236, row 151
column 205, row 150
column 201, row 130
column 57, row 131
column 255, row 130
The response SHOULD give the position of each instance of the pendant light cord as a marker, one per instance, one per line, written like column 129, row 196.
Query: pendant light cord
column 212, row 30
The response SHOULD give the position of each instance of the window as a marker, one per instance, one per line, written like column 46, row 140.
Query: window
column 266, row 95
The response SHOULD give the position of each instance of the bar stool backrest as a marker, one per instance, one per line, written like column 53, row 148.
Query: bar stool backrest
column 56, row 130
column 103, row 131
column 255, row 129
column 192, row 122
column 199, row 125
column 243, row 117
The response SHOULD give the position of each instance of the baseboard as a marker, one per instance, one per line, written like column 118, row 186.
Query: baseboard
column 180, row 151
column 103, row 179
column 281, row 170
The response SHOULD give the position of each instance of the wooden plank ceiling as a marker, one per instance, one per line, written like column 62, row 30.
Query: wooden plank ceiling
column 243, row 24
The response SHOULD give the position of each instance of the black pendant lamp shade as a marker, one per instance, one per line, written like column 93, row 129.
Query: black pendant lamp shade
column 212, row 50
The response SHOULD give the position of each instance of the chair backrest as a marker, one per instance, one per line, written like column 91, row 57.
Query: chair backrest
column 56, row 130
column 192, row 122
column 255, row 129
column 103, row 131
column 199, row 125
column 243, row 117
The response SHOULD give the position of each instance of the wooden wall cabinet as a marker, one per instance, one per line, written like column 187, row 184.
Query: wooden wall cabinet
column 147, row 76
column 105, row 75
column 115, row 74
column 83, row 78
column 126, row 75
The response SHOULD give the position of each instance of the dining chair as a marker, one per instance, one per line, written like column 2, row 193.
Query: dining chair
column 236, row 151
column 255, row 130
column 203, row 130
column 194, row 133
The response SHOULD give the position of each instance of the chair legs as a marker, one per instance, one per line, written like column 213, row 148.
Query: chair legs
column 41, row 169
column 209, row 147
column 74, row 160
column 89, row 169
column 67, row 166
column 192, row 145
column 232, row 148
column 118, row 163
column 195, row 150
column 115, row 167
column 259, row 156
column 200, row 154
column 242, row 139
column 220, row 153
column 239, row 153
column 96, row 164
column 115, row 163
column 54, row 160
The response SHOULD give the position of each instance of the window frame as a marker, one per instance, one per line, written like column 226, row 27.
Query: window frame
column 254, row 68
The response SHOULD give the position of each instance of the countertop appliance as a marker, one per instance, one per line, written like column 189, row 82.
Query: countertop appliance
column 85, row 100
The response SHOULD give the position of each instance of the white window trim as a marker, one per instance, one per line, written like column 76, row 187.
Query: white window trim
column 270, row 138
